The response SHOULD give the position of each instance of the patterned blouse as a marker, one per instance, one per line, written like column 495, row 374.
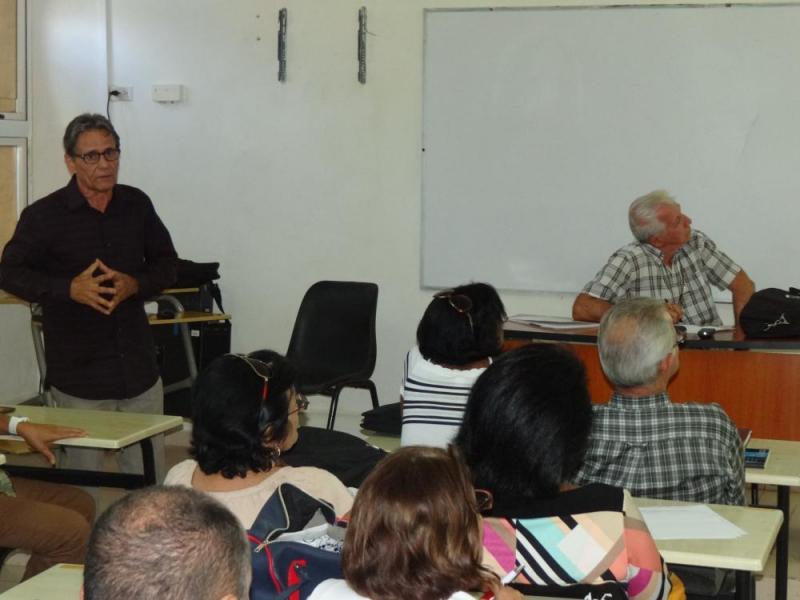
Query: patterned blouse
column 589, row 535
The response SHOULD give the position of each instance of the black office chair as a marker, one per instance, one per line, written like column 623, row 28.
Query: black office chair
column 333, row 342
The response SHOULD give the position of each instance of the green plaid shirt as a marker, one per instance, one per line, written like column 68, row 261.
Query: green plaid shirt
column 658, row 449
column 638, row 269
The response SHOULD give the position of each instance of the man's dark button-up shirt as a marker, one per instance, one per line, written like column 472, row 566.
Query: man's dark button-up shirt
column 89, row 354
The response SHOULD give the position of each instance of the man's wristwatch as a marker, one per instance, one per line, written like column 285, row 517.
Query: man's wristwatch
column 13, row 422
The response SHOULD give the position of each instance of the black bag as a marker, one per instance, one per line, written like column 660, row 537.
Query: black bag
column 192, row 274
column 285, row 568
column 387, row 418
column 348, row 457
column 772, row 313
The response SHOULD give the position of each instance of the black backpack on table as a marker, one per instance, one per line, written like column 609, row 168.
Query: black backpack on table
column 772, row 313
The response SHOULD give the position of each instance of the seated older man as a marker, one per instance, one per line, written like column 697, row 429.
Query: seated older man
column 167, row 542
column 643, row 442
column 669, row 261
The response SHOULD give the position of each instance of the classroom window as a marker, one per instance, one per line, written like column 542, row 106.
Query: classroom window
column 12, row 59
column 13, row 182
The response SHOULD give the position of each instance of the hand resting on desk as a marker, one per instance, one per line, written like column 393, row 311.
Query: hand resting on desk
column 39, row 436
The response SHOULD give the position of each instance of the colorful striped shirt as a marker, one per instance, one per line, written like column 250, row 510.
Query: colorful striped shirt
column 589, row 535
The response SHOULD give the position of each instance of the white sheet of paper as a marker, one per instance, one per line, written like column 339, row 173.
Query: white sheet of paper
column 552, row 322
column 695, row 522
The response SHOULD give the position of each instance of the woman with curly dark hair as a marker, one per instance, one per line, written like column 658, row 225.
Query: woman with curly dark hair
column 244, row 415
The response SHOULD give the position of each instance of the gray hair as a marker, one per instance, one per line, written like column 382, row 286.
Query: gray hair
column 642, row 214
column 167, row 542
column 86, row 122
column 634, row 336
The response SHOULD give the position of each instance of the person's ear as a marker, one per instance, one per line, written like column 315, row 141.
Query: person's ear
column 225, row 597
column 70, row 162
column 665, row 364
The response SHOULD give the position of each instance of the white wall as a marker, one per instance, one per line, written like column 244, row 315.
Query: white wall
column 284, row 184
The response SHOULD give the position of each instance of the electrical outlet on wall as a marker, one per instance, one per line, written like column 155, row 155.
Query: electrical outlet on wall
column 125, row 94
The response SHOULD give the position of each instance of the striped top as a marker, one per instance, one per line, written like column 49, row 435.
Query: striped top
column 434, row 398
column 589, row 535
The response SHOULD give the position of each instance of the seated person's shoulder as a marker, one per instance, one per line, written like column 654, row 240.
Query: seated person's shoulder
column 319, row 483
column 181, row 473
column 709, row 413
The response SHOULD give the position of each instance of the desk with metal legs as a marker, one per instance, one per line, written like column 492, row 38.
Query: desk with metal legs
column 746, row 555
column 783, row 471
column 107, row 430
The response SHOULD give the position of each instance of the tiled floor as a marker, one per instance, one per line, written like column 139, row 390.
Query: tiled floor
column 178, row 443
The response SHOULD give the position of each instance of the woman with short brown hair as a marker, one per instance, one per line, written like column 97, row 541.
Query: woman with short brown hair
column 414, row 532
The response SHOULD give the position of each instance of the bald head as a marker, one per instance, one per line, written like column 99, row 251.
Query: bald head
column 167, row 542
column 634, row 337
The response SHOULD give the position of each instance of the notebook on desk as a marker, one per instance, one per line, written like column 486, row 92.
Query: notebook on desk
column 755, row 458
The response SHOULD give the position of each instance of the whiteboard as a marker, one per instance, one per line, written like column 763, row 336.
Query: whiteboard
column 540, row 126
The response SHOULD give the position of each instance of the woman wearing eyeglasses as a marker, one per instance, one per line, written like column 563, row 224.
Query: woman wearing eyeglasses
column 406, row 540
column 460, row 332
column 244, row 416
column 525, row 431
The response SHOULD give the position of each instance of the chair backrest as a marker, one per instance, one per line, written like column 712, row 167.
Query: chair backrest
column 334, row 333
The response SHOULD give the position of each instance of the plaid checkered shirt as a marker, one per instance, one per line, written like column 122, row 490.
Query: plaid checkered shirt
column 658, row 449
column 638, row 269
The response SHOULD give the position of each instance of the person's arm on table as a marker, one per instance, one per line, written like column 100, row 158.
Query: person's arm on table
column 589, row 308
column 39, row 436
column 742, row 287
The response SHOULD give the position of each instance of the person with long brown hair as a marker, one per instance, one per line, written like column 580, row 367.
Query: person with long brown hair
column 414, row 532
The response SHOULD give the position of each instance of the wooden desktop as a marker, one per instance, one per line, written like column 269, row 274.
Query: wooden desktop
column 757, row 382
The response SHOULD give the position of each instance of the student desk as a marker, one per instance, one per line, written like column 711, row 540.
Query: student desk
column 57, row 582
column 783, row 471
column 746, row 555
column 64, row 581
column 757, row 382
column 107, row 430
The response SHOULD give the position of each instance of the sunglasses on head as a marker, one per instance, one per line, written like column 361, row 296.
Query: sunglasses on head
column 461, row 303
column 260, row 368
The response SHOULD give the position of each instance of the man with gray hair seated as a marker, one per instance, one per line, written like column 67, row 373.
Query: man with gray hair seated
column 642, row 441
column 670, row 261
column 167, row 542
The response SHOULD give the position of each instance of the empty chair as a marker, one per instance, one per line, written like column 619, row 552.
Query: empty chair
column 333, row 342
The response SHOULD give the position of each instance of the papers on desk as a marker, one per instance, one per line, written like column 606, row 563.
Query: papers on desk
column 552, row 322
column 694, row 522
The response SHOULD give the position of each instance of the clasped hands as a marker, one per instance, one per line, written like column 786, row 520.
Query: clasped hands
column 94, row 291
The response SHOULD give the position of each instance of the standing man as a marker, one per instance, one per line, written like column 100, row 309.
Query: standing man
column 642, row 441
column 668, row 261
column 91, row 253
